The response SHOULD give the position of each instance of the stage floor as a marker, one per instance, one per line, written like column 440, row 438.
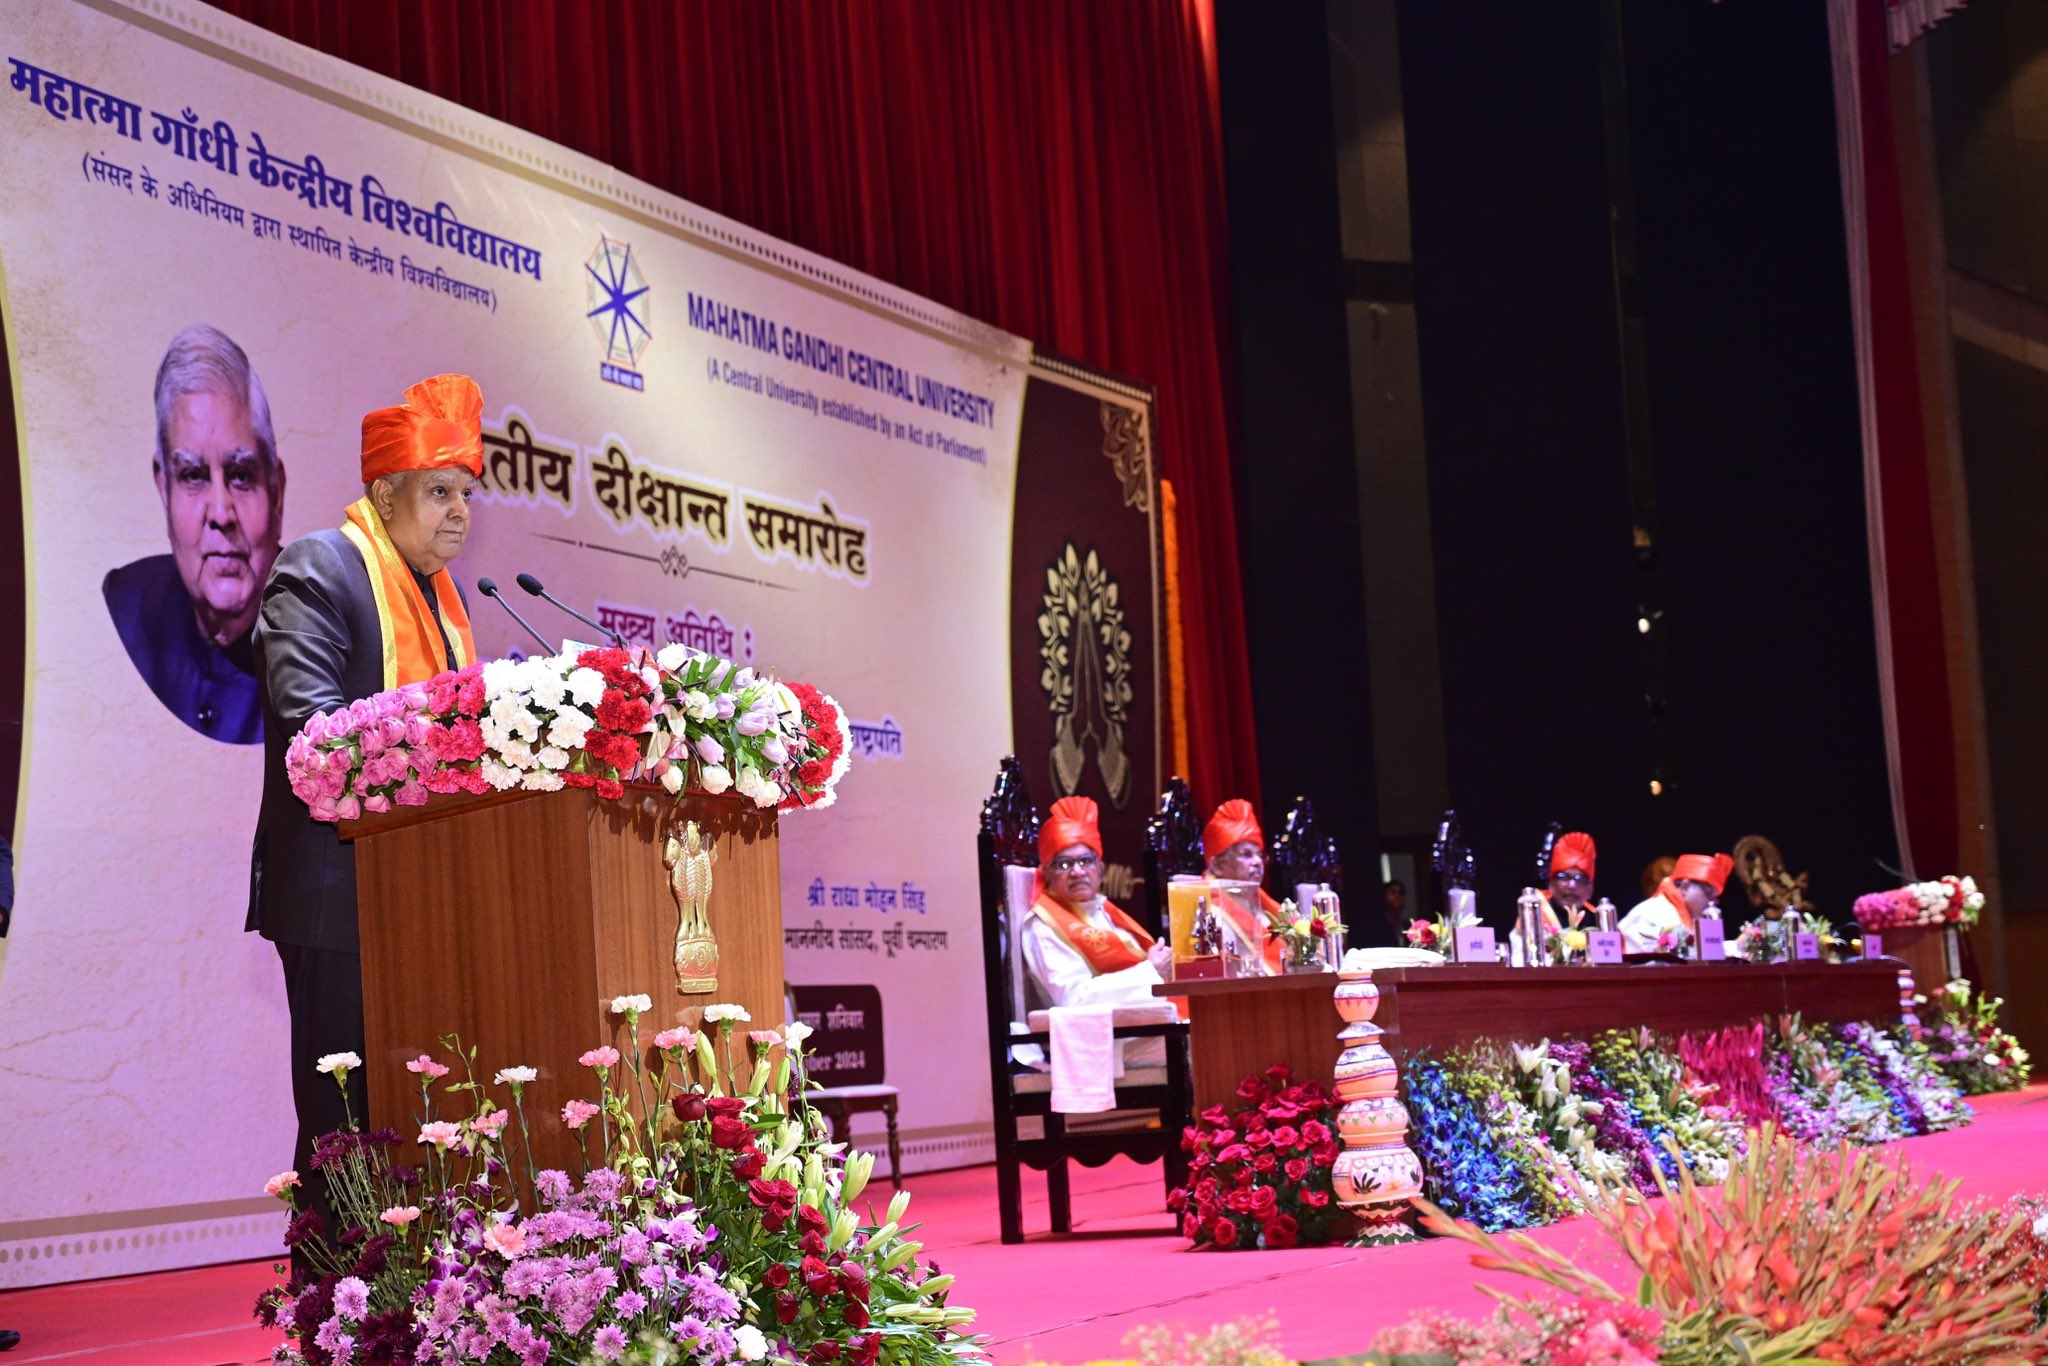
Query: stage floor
column 1052, row 1299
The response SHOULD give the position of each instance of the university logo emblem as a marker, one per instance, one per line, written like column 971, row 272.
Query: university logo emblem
column 616, row 302
column 1084, row 647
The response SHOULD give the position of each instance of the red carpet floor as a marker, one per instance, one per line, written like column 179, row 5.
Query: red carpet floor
column 1061, row 1300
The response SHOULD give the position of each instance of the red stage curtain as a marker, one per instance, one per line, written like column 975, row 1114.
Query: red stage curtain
column 1053, row 167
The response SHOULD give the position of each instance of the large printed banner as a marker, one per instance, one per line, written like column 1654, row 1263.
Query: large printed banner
column 219, row 251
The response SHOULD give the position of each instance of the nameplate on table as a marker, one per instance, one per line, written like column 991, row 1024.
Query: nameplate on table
column 1603, row 946
column 1713, row 944
column 1475, row 944
column 1873, row 946
column 1805, row 947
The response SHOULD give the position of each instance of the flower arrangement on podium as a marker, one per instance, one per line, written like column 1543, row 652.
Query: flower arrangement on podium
column 1945, row 901
column 1259, row 1176
column 712, row 1223
column 595, row 719
column 1438, row 934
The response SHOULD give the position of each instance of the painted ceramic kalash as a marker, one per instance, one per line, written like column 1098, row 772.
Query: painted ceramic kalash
column 1377, row 1175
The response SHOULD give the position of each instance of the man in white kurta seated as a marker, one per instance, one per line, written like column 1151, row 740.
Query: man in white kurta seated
column 1079, row 947
column 1695, row 884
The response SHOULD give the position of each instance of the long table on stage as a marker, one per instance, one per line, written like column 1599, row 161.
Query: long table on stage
column 1241, row 1025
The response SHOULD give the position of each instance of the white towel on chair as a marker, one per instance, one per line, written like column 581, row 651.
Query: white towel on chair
column 1085, row 1059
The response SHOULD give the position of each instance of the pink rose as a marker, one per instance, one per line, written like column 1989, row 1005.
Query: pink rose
column 279, row 1184
column 348, row 808
column 411, row 793
column 417, row 728
column 600, row 1057
column 424, row 1066
column 507, row 1240
column 578, row 1113
column 376, row 804
column 398, row 1216
column 440, row 1133
column 680, row 1037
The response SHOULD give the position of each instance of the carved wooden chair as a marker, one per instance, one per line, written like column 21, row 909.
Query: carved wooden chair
column 1008, row 847
column 1173, row 847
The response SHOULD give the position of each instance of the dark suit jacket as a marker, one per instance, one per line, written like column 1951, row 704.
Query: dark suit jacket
column 318, row 647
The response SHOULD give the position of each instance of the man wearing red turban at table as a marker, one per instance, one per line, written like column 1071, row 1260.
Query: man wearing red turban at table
column 1079, row 947
column 1236, row 850
column 346, row 614
column 1571, row 878
column 1680, row 900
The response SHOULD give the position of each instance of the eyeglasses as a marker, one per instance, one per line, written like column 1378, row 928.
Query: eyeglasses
column 1074, row 865
column 1569, row 875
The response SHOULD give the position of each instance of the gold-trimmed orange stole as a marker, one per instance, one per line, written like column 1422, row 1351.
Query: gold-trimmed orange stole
column 1106, row 949
column 413, row 649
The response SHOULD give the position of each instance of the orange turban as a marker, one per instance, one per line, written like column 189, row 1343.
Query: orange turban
column 1574, row 850
column 1712, row 869
column 1232, row 823
column 440, row 424
column 1072, row 821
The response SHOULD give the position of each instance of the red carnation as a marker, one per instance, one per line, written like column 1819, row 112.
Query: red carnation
column 609, row 788
column 616, row 711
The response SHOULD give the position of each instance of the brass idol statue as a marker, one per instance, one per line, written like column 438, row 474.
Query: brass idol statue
column 688, row 859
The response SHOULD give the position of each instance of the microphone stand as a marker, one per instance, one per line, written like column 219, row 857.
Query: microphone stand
column 493, row 592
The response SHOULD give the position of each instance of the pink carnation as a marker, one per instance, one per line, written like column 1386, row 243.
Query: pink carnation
column 492, row 1124
column 440, row 1133
column 279, row 1184
column 398, row 1216
column 680, row 1037
column 600, row 1057
column 578, row 1113
column 507, row 1240
column 425, row 1066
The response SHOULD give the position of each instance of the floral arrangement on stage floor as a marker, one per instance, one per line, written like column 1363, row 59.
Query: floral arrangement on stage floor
column 710, row 1224
column 1804, row 1256
column 1259, row 1175
column 596, row 719
column 1490, row 1124
column 1945, row 901
column 1967, row 1044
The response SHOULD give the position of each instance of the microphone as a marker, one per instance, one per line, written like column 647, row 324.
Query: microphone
column 491, row 590
column 533, row 586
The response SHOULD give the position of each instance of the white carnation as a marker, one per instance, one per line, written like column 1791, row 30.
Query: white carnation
column 330, row 1063
column 719, row 1014
column 752, row 1345
column 497, row 775
column 569, row 728
column 511, row 1076
column 552, row 757
column 547, row 688
column 794, row 1034
column 501, row 675
column 586, row 686
column 514, row 753
column 636, row 1004
column 540, row 780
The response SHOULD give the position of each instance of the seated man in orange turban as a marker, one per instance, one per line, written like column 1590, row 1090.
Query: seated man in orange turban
column 1078, row 946
column 1678, row 903
column 346, row 614
column 1236, row 850
column 1571, row 878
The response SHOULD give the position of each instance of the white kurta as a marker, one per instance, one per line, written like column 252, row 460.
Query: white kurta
column 1650, row 918
column 1063, row 977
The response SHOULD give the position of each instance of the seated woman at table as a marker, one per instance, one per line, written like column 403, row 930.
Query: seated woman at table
column 1695, row 882
column 1236, row 850
column 1080, row 947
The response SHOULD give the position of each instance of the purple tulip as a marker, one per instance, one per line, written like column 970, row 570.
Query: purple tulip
column 709, row 750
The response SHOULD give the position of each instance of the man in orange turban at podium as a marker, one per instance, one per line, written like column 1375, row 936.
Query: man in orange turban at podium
column 346, row 614
column 1079, row 947
column 1236, row 850
column 1696, row 881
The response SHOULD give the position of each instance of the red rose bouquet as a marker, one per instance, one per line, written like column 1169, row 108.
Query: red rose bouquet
column 1260, row 1176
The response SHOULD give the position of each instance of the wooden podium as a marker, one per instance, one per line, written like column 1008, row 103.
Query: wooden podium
column 511, row 920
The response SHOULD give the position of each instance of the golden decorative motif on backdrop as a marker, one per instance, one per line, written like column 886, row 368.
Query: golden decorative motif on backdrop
column 688, row 858
column 1130, row 454
column 1085, row 648
column 1764, row 876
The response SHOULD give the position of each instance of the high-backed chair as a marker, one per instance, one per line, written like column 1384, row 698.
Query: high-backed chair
column 1302, row 855
column 1173, row 847
column 1156, row 1102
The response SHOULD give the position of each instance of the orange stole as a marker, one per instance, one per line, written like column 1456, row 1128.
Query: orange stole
column 413, row 651
column 1107, row 950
